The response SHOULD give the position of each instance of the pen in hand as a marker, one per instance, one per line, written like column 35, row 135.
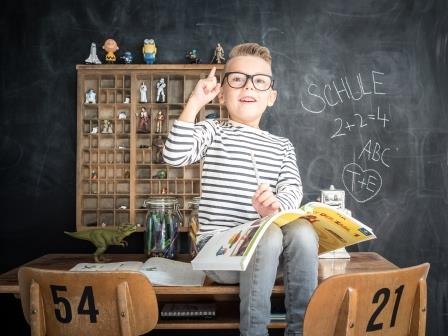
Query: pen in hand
column 254, row 163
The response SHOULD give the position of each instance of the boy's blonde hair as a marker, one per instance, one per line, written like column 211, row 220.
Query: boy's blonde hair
column 251, row 49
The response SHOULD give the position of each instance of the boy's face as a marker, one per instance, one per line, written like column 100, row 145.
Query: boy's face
column 247, row 104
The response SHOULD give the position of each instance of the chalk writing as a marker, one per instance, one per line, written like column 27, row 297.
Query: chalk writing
column 337, row 92
column 355, row 93
column 375, row 154
column 344, row 126
column 361, row 184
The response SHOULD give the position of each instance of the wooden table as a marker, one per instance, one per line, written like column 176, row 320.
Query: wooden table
column 225, row 296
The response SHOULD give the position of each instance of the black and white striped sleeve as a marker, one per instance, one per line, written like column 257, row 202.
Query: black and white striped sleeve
column 188, row 142
column 289, row 190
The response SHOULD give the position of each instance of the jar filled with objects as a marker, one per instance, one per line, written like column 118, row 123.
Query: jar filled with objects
column 161, row 227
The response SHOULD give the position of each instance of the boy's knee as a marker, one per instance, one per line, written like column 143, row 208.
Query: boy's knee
column 272, row 240
column 301, row 231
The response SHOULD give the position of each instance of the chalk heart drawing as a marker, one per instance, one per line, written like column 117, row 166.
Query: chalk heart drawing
column 361, row 184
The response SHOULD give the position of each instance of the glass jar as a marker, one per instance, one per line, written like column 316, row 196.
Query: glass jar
column 193, row 225
column 162, row 224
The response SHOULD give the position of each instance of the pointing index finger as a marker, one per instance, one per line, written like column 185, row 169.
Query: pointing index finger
column 212, row 73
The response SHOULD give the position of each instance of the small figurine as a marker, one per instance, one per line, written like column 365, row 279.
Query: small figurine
column 192, row 57
column 127, row 100
column 107, row 127
column 143, row 124
column 93, row 57
column 94, row 130
column 93, row 175
column 149, row 51
column 164, row 191
column 102, row 238
column 143, row 89
column 159, row 144
column 212, row 115
column 159, row 122
column 218, row 56
column 161, row 174
column 161, row 85
column 127, row 57
column 121, row 115
column 90, row 97
column 110, row 47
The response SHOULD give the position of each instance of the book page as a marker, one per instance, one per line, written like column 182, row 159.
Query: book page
column 114, row 266
column 334, row 228
column 231, row 249
column 167, row 272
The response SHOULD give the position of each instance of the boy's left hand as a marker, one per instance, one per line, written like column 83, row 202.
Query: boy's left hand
column 264, row 201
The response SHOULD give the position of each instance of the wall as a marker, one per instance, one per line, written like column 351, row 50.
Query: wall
column 362, row 94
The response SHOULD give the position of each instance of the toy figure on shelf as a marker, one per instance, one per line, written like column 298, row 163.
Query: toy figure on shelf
column 110, row 47
column 161, row 174
column 143, row 124
column 102, row 238
column 90, row 97
column 127, row 100
column 161, row 85
column 159, row 144
column 94, row 130
column 143, row 89
column 107, row 127
column 192, row 56
column 93, row 175
column 212, row 115
column 159, row 122
column 218, row 56
column 122, row 115
column 164, row 191
column 93, row 57
column 149, row 51
column 127, row 57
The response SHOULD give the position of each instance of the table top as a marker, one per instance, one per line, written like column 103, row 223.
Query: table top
column 358, row 262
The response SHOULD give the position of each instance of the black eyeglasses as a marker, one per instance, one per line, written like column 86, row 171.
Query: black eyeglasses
column 237, row 80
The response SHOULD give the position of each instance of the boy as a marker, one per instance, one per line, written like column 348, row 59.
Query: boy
column 231, row 195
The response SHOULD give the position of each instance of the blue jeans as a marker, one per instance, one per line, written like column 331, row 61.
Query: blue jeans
column 296, row 244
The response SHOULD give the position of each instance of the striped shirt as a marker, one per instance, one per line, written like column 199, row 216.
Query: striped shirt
column 228, row 179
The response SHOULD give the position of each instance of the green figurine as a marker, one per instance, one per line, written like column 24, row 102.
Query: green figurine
column 102, row 238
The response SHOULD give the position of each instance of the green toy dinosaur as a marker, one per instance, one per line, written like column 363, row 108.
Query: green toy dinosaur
column 102, row 238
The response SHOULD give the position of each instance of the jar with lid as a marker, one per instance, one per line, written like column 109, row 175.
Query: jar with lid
column 162, row 224
column 193, row 225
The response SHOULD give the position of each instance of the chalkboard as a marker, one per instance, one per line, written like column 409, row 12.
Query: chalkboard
column 363, row 96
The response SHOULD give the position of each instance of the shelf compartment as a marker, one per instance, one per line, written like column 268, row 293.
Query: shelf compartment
column 107, row 82
column 106, row 202
column 175, row 92
column 90, row 203
column 106, row 218
column 89, row 218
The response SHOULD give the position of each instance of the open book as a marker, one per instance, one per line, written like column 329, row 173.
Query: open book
column 233, row 248
column 160, row 271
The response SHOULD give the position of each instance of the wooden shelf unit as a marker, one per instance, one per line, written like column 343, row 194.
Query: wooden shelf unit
column 117, row 171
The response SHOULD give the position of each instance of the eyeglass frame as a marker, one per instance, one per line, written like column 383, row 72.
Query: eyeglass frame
column 251, row 77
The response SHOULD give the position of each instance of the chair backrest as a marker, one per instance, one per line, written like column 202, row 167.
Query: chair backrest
column 377, row 303
column 87, row 303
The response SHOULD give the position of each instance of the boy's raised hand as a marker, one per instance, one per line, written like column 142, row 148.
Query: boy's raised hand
column 264, row 201
column 206, row 90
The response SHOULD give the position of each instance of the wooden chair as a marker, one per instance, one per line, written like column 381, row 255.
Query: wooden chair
column 378, row 303
column 87, row 303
